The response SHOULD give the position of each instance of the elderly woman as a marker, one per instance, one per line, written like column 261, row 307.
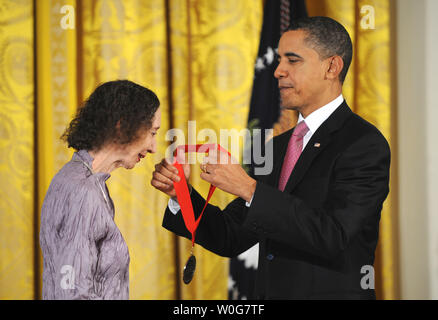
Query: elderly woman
column 85, row 255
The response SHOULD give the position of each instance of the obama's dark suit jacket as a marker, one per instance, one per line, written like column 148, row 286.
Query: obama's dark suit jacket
column 317, row 235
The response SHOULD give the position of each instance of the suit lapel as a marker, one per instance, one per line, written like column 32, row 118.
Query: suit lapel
column 319, row 141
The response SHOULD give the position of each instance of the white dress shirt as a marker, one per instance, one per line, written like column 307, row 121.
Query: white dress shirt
column 313, row 122
column 317, row 117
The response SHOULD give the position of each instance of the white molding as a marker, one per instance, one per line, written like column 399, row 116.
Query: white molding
column 412, row 155
column 431, row 99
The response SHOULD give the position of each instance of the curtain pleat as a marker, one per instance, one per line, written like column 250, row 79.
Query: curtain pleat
column 127, row 40
column 56, row 98
column 214, row 46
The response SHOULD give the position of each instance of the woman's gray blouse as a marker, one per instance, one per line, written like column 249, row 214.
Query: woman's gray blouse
column 85, row 255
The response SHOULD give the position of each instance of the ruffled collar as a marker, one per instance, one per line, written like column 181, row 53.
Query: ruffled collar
column 88, row 160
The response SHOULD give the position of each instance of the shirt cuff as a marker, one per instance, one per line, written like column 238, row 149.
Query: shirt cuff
column 173, row 206
column 248, row 204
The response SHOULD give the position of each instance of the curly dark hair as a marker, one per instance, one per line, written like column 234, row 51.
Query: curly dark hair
column 116, row 110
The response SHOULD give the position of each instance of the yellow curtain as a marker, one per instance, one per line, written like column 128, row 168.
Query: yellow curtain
column 369, row 90
column 205, row 49
column 127, row 39
column 214, row 46
column 56, row 99
column 17, row 150
column 198, row 57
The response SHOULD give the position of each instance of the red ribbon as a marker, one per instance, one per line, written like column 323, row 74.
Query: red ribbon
column 182, row 189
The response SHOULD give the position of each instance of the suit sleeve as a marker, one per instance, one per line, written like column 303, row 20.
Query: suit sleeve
column 219, row 231
column 360, row 185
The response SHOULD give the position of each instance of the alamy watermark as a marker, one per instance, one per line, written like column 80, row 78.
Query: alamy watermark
column 368, row 17
column 367, row 21
column 68, row 278
column 255, row 152
column 367, row 281
column 68, row 19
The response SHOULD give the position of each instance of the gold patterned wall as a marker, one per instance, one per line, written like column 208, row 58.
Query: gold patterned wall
column 16, row 150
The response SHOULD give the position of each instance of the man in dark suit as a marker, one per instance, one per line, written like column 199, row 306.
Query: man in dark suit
column 316, row 215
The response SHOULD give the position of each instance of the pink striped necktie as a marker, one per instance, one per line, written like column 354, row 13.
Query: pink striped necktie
column 294, row 149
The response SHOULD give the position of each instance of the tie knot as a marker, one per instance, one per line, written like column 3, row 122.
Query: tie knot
column 301, row 129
